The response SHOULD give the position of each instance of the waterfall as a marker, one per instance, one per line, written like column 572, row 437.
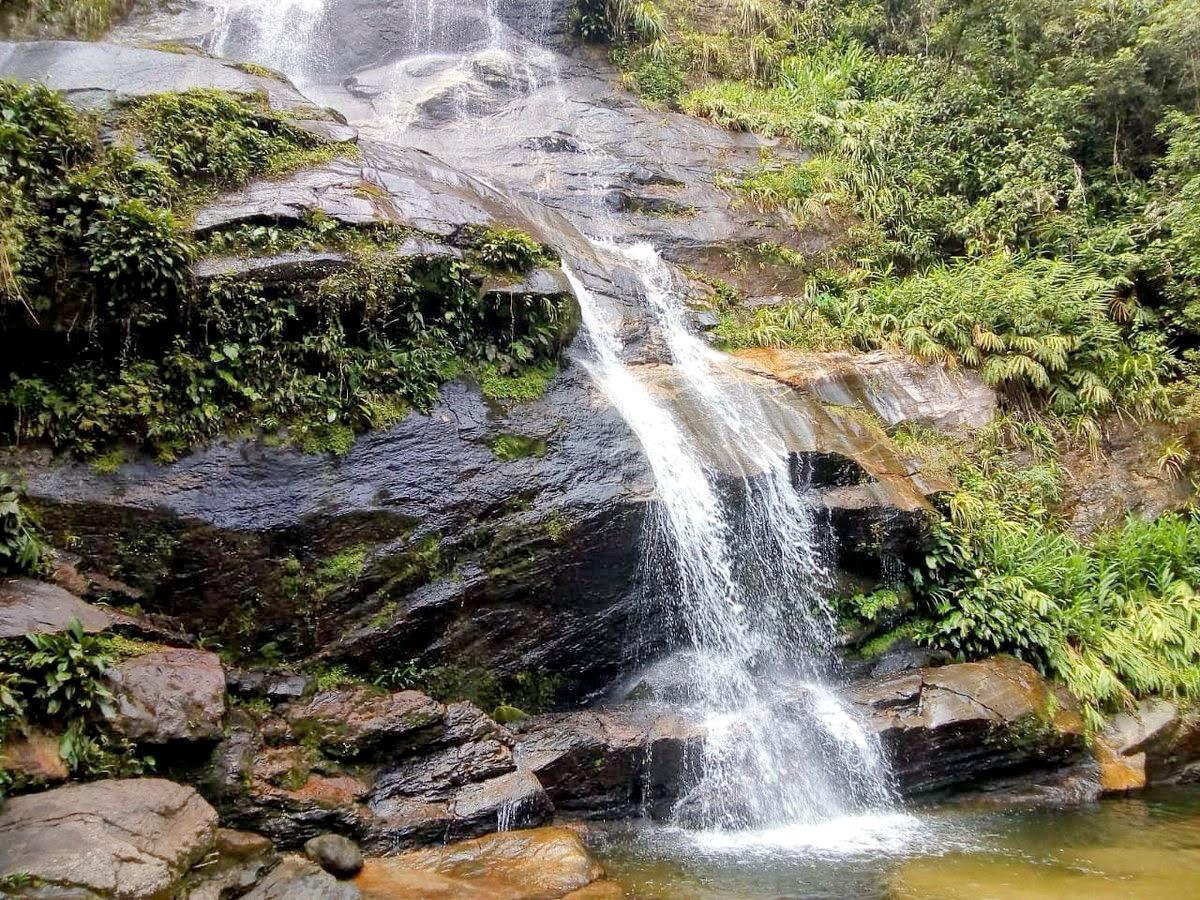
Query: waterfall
column 282, row 34
column 744, row 587
column 737, row 548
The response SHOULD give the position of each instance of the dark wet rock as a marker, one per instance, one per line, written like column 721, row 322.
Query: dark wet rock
column 328, row 131
column 297, row 878
column 35, row 607
column 612, row 762
column 278, row 687
column 1070, row 785
column 169, row 695
column 958, row 724
column 515, row 800
column 280, row 268
column 438, row 774
column 102, row 75
column 419, row 771
column 361, row 722
column 242, row 859
column 133, row 838
column 335, row 854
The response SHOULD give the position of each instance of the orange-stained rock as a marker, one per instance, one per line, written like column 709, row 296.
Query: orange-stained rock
column 33, row 757
column 1119, row 773
column 534, row 864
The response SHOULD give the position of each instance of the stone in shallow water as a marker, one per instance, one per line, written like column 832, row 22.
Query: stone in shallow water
column 535, row 864
column 297, row 878
column 335, row 854
column 132, row 838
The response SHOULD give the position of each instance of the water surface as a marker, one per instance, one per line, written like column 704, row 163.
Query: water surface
column 1145, row 847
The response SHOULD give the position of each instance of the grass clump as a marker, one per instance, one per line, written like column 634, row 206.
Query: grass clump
column 86, row 19
column 524, row 386
column 513, row 251
column 508, row 447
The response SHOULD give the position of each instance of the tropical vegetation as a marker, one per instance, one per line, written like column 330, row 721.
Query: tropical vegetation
column 1008, row 186
column 110, row 339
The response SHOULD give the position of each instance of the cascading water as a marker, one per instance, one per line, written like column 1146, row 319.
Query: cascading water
column 281, row 34
column 738, row 545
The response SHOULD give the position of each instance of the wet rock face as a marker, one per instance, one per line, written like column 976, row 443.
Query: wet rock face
column 951, row 726
column 128, row 838
column 611, row 763
column 169, row 695
column 390, row 770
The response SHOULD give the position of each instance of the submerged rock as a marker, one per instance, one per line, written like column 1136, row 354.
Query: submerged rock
column 954, row 725
column 533, row 864
column 297, row 878
column 131, row 839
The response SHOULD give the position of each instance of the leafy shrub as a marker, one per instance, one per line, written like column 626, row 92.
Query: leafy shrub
column 1115, row 619
column 41, row 136
column 510, row 250
column 206, row 134
column 619, row 20
column 21, row 549
column 60, row 18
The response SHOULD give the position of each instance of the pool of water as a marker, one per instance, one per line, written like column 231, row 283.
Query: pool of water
column 1144, row 847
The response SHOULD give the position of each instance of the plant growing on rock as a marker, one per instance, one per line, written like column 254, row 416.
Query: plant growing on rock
column 22, row 551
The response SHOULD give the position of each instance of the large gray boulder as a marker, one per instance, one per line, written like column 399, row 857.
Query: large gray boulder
column 35, row 607
column 169, row 695
column 126, row 839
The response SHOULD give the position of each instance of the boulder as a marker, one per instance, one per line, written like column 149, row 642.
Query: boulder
column 335, row 854
column 403, row 770
column 613, row 762
column 533, row 864
column 278, row 687
column 359, row 722
column 297, row 878
column 35, row 607
column 128, row 839
column 97, row 75
column 169, row 695
column 954, row 725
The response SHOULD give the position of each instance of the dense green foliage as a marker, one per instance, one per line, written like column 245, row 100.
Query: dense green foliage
column 59, row 18
column 113, row 342
column 1115, row 618
column 1028, row 167
column 56, row 681
column 22, row 551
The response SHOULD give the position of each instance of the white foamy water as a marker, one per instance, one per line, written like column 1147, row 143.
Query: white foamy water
column 281, row 34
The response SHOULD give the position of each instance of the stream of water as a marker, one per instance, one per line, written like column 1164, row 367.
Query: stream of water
column 737, row 545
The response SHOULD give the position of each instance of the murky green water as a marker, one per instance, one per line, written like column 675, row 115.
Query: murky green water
column 1145, row 847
